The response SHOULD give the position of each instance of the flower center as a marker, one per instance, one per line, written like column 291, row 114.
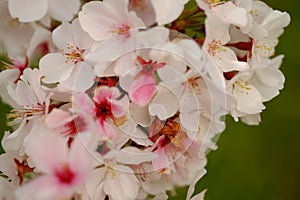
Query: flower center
column 148, row 67
column 213, row 2
column 243, row 85
column 75, row 126
column 214, row 46
column 103, row 110
column 74, row 54
column 121, row 30
column 171, row 132
column 65, row 174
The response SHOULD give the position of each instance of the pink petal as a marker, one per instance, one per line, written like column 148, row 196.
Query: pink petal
column 58, row 117
column 83, row 104
column 41, row 146
column 161, row 163
column 104, row 92
column 142, row 90
column 46, row 188
column 106, row 129
column 80, row 153
column 119, row 107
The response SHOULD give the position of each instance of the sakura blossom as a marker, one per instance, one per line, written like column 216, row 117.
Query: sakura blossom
column 124, row 99
column 70, row 61
column 60, row 177
column 28, row 11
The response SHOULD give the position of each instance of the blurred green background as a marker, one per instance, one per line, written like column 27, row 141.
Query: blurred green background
column 263, row 162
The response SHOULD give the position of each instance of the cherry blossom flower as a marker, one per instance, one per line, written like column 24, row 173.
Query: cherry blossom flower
column 262, row 29
column 32, row 103
column 144, row 87
column 116, row 175
column 118, row 105
column 261, row 84
column 69, row 67
column 249, row 99
column 105, row 107
column 29, row 10
column 14, row 37
column 219, row 18
column 11, row 75
column 65, row 123
column 62, row 175
column 118, row 20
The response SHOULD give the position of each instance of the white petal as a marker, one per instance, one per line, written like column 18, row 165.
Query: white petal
column 216, row 29
column 62, row 36
column 81, row 79
column 80, row 37
column 167, row 10
column 6, row 189
column 153, row 37
column 131, row 155
column 232, row 14
column 33, row 77
column 28, row 10
column 25, row 95
column 164, row 104
column 251, row 119
column 193, row 184
column 226, row 59
column 190, row 120
column 126, row 184
column 141, row 138
column 54, row 67
column 14, row 141
column 249, row 99
column 96, row 18
column 63, row 10
column 275, row 21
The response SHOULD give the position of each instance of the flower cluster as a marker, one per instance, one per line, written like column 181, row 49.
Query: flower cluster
column 123, row 99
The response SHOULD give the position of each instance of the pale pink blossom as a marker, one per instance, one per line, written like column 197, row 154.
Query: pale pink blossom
column 66, row 123
column 14, row 37
column 144, row 87
column 69, row 66
column 105, row 108
column 31, row 10
column 115, row 175
column 62, row 175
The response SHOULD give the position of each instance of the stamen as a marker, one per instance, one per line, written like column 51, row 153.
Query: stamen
column 214, row 46
column 65, row 174
column 213, row 3
column 121, row 30
column 25, row 113
column 244, row 85
column 74, row 55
